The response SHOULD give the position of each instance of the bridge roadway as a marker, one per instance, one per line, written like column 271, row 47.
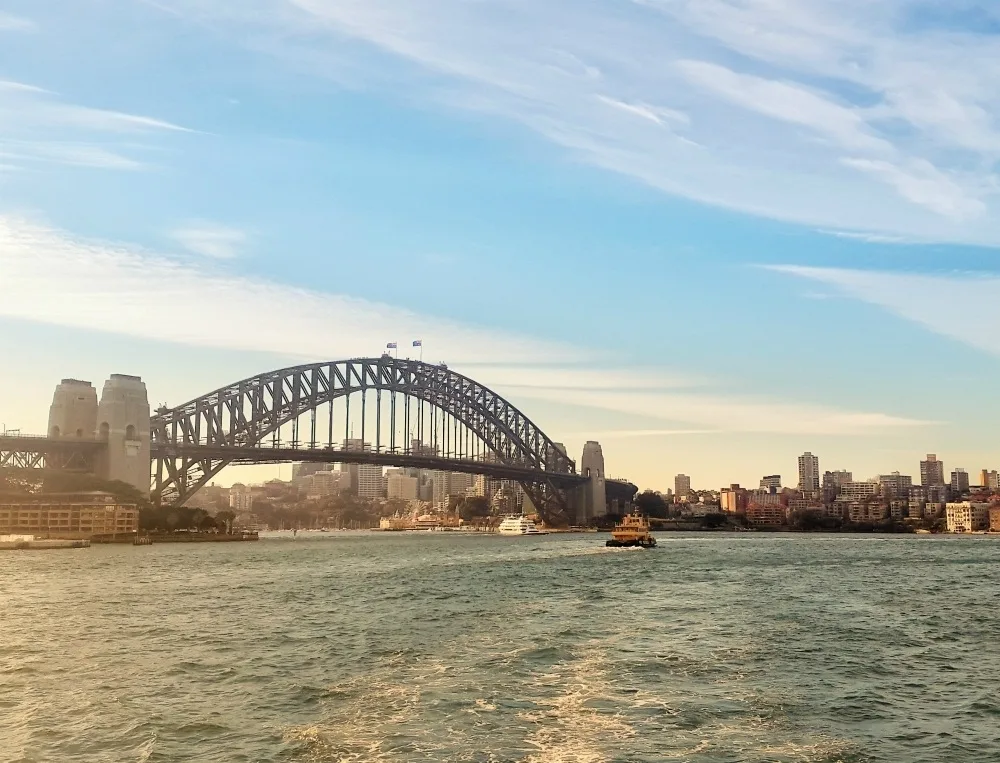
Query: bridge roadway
column 272, row 455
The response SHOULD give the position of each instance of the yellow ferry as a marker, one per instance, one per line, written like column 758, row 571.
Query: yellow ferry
column 633, row 530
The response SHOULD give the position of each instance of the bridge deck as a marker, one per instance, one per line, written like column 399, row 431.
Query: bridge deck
column 269, row 455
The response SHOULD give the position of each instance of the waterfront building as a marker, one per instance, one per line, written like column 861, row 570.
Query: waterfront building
column 767, row 497
column 967, row 516
column 809, row 473
column 682, row 486
column 931, row 471
column 771, row 482
column 995, row 519
column 933, row 509
column 916, row 508
column 959, row 482
column 68, row 515
column 760, row 514
column 867, row 511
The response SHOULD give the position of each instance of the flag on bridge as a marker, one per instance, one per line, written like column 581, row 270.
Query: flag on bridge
column 391, row 346
column 418, row 342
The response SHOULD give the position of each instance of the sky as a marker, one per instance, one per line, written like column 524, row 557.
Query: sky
column 710, row 234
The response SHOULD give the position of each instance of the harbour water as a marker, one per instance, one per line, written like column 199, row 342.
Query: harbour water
column 451, row 647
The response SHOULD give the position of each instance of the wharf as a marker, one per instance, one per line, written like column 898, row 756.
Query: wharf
column 203, row 537
column 42, row 544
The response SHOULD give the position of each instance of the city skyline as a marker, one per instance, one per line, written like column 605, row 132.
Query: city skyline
column 707, row 256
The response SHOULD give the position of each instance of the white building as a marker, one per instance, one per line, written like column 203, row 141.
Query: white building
column 967, row 516
column 371, row 481
column 808, row 473
column 240, row 498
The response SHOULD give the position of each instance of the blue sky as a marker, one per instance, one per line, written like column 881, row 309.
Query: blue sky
column 711, row 234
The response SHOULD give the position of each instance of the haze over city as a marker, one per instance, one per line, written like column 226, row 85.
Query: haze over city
column 642, row 223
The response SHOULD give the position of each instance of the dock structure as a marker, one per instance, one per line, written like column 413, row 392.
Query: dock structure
column 31, row 543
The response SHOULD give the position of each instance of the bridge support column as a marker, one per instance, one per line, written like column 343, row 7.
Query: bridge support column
column 592, row 496
column 123, row 423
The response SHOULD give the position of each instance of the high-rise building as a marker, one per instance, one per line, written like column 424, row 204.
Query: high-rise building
column 992, row 479
column 371, row 482
column 401, row 486
column 240, row 498
column 325, row 483
column 931, row 471
column 306, row 469
column 895, row 485
column 771, row 482
column 959, row 481
column 354, row 482
column 833, row 480
column 808, row 473
column 682, row 485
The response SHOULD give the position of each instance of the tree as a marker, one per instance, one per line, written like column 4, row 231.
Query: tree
column 651, row 504
column 474, row 507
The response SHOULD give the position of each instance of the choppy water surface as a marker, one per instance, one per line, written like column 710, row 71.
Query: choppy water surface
column 471, row 648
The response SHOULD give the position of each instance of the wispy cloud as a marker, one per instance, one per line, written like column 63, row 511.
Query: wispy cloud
column 210, row 239
column 37, row 124
column 830, row 113
column 11, row 23
column 964, row 307
column 72, row 154
column 50, row 277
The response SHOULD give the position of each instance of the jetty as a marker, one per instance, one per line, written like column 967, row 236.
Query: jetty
column 31, row 543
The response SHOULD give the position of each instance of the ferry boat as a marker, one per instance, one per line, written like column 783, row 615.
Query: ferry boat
column 518, row 525
column 633, row 530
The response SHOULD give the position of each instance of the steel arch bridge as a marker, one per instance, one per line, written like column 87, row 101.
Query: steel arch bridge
column 408, row 413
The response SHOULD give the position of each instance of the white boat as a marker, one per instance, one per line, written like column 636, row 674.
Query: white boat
column 518, row 525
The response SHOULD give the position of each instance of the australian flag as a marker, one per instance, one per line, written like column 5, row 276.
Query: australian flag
column 418, row 342
column 391, row 346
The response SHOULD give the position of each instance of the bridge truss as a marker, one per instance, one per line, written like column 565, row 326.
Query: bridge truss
column 371, row 410
column 38, row 452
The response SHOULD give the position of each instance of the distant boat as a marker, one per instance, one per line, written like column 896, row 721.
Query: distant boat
column 518, row 525
column 633, row 530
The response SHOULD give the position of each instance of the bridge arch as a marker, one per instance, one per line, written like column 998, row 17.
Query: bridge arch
column 467, row 427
